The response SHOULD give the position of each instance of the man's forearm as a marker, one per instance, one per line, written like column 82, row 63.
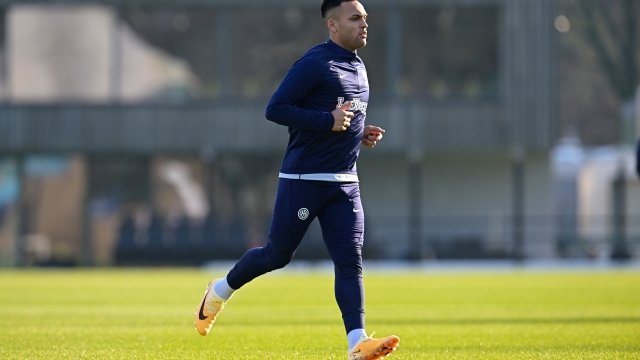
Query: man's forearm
column 289, row 115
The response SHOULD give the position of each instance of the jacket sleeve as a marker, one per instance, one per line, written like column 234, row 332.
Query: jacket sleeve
column 638, row 158
column 303, row 77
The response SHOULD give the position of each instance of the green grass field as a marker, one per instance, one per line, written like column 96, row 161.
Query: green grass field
column 148, row 314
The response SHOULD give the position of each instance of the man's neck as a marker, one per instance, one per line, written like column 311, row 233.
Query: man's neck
column 337, row 42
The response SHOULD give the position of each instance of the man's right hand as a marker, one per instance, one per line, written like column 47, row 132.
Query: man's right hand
column 342, row 117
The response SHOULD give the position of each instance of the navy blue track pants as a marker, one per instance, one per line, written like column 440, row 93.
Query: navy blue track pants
column 339, row 211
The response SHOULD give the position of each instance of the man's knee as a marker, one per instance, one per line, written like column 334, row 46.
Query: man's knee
column 280, row 260
column 349, row 267
column 277, row 257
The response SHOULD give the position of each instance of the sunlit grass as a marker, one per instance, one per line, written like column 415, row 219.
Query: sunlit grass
column 148, row 314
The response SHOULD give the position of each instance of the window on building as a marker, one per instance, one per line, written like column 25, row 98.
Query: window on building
column 450, row 52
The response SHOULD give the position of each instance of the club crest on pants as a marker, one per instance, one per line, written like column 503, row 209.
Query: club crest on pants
column 303, row 213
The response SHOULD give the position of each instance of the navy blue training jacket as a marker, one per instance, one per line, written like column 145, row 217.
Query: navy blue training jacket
column 638, row 158
column 324, row 78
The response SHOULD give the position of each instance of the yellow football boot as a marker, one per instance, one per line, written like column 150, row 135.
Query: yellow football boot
column 209, row 309
column 369, row 348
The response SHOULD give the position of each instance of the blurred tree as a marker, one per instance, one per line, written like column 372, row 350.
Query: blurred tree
column 611, row 27
column 598, row 66
column 251, row 46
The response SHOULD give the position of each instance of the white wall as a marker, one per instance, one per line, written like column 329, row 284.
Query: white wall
column 59, row 53
column 84, row 53
column 595, row 200
column 461, row 195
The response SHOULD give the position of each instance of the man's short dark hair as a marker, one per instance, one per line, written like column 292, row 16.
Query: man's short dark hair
column 328, row 5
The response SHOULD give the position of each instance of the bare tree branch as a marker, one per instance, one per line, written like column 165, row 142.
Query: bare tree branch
column 597, row 40
column 629, row 50
column 614, row 30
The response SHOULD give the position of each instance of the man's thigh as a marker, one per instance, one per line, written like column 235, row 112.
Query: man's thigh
column 342, row 222
column 297, row 204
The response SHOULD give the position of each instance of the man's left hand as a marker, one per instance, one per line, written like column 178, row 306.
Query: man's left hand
column 371, row 136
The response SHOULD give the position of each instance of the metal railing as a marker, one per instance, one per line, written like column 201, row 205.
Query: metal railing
column 442, row 238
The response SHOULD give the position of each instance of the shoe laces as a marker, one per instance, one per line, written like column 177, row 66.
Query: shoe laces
column 371, row 336
column 214, row 303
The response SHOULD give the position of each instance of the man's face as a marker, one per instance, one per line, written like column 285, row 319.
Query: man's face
column 351, row 24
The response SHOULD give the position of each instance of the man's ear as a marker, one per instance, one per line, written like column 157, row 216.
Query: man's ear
column 332, row 25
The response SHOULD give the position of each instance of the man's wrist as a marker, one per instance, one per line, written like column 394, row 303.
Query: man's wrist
column 330, row 121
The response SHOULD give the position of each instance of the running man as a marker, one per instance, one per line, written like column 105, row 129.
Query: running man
column 323, row 101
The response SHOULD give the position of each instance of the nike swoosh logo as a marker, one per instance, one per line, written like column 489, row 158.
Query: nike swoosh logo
column 342, row 75
column 356, row 210
column 201, row 315
column 359, row 350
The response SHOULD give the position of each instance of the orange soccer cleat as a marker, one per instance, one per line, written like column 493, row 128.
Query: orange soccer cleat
column 368, row 348
column 208, row 310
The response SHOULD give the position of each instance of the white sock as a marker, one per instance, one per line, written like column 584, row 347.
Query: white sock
column 223, row 290
column 353, row 337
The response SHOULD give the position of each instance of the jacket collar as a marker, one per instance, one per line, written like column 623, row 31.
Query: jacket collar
column 342, row 51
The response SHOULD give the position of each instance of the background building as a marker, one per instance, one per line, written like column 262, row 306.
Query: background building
column 134, row 132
